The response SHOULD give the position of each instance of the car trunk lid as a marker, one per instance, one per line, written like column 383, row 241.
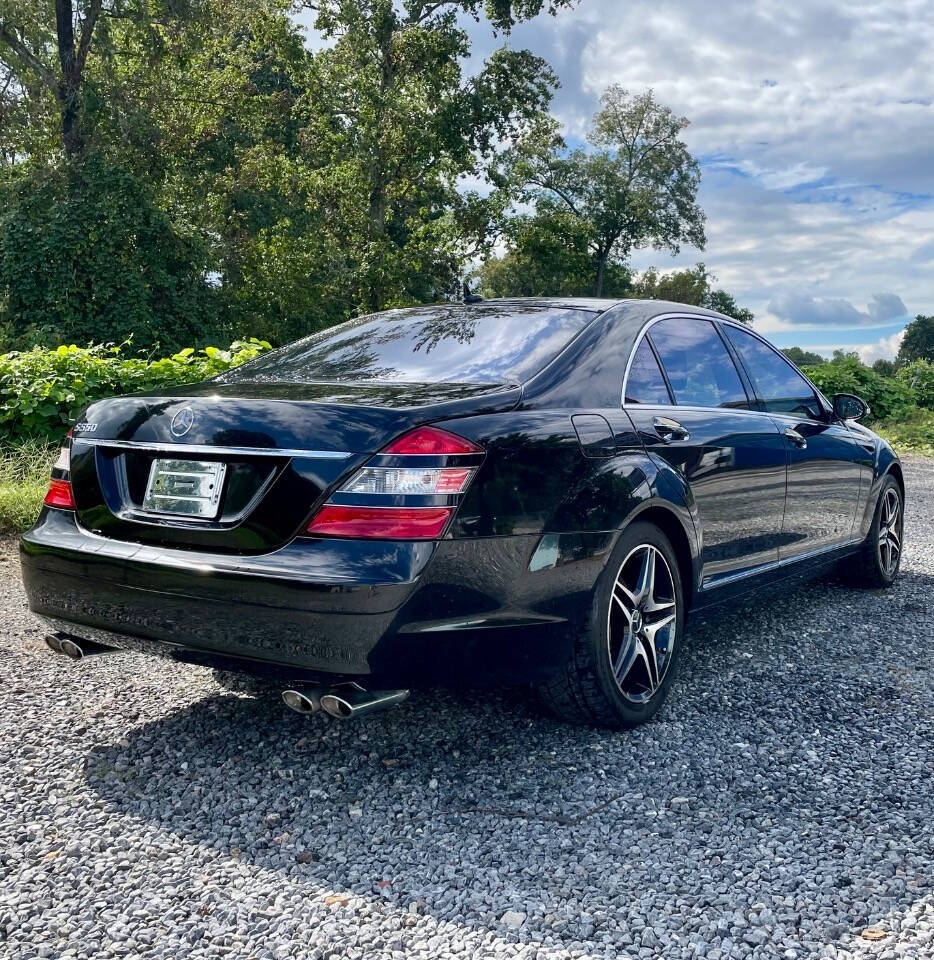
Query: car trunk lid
column 274, row 449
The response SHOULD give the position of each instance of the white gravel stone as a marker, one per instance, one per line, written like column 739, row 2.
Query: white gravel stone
column 779, row 806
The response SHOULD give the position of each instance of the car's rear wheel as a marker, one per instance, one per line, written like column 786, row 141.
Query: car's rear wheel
column 626, row 654
column 878, row 562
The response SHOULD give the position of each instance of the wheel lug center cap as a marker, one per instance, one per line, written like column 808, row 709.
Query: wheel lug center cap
column 636, row 621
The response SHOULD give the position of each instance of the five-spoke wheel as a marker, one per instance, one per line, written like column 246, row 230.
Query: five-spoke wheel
column 890, row 531
column 641, row 623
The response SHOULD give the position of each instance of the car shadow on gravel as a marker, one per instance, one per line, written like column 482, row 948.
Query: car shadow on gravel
column 787, row 778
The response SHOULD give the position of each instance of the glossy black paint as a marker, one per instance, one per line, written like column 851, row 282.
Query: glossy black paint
column 566, row 466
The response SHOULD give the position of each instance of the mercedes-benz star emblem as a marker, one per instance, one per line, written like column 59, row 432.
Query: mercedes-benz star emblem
column 182, row 422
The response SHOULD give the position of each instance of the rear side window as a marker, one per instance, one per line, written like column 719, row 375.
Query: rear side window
column 699, row 366
column 645, row 383
column 492, row 343
column 780, row 387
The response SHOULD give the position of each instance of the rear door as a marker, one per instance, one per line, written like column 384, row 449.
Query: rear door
column 825, row 459
column 688, row 402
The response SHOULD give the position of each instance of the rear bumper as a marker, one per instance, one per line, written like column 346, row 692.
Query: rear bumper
column 404, row 613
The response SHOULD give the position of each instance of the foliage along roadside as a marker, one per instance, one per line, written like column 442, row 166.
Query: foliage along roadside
column 24, row 478
column 42, row 391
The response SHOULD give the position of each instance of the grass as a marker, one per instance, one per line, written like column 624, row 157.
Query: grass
column 911, row 434
column 24, row 478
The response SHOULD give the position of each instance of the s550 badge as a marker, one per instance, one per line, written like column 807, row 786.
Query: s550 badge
column 85, row 427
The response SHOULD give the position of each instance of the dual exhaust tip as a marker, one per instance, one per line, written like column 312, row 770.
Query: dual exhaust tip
column 344, row 702
column 74, row 648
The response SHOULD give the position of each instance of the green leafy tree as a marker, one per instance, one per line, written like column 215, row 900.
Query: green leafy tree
column 803, row 358
column 400, row 127
column 885, row 368
column 693, row 286
column 85, row 251
column 637, row 187
column 918, row 343
column 548, row 255
column 47, row 56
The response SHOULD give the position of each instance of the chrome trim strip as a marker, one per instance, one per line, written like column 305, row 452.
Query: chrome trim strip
column 777, row 564
column 180, row 449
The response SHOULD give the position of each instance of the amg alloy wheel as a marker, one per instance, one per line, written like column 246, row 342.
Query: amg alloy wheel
column 878, row 561
column 641, row 623
column 890, row 532
column 626, row 653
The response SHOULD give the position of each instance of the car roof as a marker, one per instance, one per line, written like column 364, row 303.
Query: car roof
column 631, row 309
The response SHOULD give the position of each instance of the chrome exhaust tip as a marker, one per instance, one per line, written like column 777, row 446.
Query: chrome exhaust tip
column 74, row 648
column 305, row 702
column 347, row 702
column 71, row 649
column 54, row 643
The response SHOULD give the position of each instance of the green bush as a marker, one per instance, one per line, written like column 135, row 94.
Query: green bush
column 42, row 391
column 887, row 397
column 87, row 255
column 918, row 376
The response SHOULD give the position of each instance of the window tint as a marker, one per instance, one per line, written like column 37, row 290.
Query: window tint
column 645, row 383
column 699, row 366
column 480, row 343
column 777, row 383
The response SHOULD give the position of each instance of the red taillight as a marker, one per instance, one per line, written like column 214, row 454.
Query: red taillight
column 431, row 441
column 380, row 523
column 59, row 495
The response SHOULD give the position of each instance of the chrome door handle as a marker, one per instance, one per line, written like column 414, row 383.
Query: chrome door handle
column 796, row 438
column 669, row 429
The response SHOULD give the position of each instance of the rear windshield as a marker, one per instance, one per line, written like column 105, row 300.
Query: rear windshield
column 479, row 343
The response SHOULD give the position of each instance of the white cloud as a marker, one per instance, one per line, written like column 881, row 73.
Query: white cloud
column 814, row 122
column 884, row 348
column 799, row 309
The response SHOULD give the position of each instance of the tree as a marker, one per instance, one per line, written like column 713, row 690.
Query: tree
column 803, row 358
column 885, row 368
column 35, row 53
column 638, row 188
column 302, row 186
column 548, row 255
column 918, row 343
column 693, row 286
column 86, row 253
column 399, row 128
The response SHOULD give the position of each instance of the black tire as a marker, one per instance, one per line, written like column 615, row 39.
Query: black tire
column 585, row 691
column 871, row 567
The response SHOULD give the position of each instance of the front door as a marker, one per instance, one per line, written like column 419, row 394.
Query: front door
column 687, row 401
column 824, row 457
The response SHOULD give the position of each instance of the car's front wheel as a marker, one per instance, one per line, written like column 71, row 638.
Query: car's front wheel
column 878, row 562
column 626, row 654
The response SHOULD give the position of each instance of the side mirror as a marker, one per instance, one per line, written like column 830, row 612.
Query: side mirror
column 848, row 407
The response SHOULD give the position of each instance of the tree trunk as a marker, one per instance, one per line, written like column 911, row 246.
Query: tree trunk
column 601, row 273
column 68, row 86
column 377, row 173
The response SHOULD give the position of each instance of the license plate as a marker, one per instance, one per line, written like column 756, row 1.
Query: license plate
column 188, row 488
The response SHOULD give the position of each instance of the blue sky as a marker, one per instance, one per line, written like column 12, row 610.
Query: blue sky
column 814, row 126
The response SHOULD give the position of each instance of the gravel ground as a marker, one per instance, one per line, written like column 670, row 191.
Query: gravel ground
column 781, row 805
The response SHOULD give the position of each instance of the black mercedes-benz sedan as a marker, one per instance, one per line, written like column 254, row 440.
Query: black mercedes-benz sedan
column 531, row 490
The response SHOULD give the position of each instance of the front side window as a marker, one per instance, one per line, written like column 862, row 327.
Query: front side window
column 780, row 387
column 645, row 383
column 699, row 366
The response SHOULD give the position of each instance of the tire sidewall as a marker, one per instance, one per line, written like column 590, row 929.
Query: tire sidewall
column 635, row 535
